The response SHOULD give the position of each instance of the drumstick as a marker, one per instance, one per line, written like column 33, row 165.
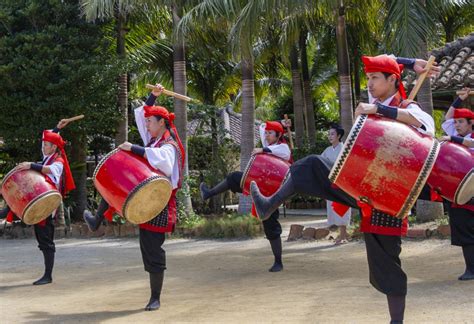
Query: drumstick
column 170, row 93
column 288, row 130
column 74, row 118
column 471, row 92
column 421, row 78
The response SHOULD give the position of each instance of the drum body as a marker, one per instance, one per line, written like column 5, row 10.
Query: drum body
column 30, row 195
column 267, row 170
column 453, row 173
column 384, row 163
column 131, row 186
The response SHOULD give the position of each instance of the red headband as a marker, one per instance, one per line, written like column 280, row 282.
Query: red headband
column 384, row 63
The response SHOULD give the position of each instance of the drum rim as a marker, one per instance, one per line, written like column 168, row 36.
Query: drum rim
column 8, row 175
column 47, row 193
column 347, row 148
column 461, row 186
column 421, row 180
column 137, row 188
column 247, row 170
column 102, row 161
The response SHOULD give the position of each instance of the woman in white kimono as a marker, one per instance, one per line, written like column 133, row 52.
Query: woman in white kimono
column 331, row 153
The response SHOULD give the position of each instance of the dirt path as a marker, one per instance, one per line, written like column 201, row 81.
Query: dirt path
column 227, row 281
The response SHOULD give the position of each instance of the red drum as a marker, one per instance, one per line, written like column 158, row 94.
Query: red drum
column 267, row 170
column 453, row 173
column 131, row 186
column 384, row 163
column 30, row 195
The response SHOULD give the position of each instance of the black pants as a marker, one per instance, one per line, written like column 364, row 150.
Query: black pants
column 45, row 235
column 385, row 270
column 271, row 226
column 461, row 222
column 310, row 176
column 153, row 255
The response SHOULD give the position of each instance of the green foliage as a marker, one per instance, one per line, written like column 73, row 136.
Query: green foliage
column 228, row 226
column 52, row 67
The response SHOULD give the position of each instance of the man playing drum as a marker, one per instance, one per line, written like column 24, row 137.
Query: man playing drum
column 271, row 135
column 56, row 167
column 164, row 152
column 310, row 176
column 459, row 127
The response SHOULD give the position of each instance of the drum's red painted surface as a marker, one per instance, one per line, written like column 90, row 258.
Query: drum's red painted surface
column 20, row 188
column 119, row 174
column 452, row 165
column 384, row 164
column 267, row 170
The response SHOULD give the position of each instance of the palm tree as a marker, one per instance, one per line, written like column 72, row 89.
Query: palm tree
column 298, row 101
column 241, row 41
column 179, row 86
column 307, row 91
column 343, row 66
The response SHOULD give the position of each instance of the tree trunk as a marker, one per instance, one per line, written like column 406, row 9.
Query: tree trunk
column 427, row 210
column 122, row 128
column 307, row 93
column 179, row 86
column 79, row 172
column 357, row 75
column 298, row 103
column 343, row 67
column 247, row 143
column 216, row 201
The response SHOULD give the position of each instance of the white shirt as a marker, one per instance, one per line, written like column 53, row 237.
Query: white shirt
column 424, row 118
column 161, row 158
column 281, row 150
column 450, row 130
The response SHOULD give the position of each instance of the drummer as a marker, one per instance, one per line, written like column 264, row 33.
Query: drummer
column 459, row 122
column 310, row 176
column 56, row 167
column 273, row 142
column 164, row 152
column 458, row 125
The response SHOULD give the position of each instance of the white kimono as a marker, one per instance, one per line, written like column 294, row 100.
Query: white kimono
column 331, row 153
column 281, row 150
column 162, row 158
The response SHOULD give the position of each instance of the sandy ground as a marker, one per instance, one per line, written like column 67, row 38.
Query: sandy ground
column 103, row 280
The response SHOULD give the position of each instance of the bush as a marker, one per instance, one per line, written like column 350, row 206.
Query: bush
column 228, row 226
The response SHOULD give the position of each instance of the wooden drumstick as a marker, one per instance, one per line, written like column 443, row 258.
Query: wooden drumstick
column 288, row 131
column 421, row 78
column 471, row 92
column 170, row 93
column 74, row 118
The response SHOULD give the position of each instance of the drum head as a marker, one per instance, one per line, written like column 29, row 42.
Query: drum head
column 465, row 191
column 147, row 200
column 41, row 207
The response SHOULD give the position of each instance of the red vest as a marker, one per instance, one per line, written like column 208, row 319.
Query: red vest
column 165, row 222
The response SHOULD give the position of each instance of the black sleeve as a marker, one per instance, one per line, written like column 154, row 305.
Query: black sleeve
column 267, row 150
column 409, row 63
column 387, row 111
column 36, row 166
column 150, row 101
column 138, row 150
